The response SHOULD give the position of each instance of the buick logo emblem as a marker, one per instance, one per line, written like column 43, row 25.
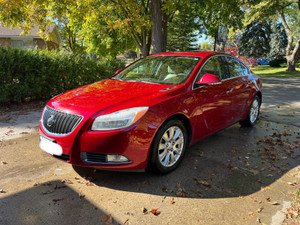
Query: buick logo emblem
column 51, row 120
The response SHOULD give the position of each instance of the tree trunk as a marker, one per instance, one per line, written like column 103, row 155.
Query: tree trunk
column 220, row 46
column 291, row 54
column 156, row 19
column 291, row 62
column 165, row 19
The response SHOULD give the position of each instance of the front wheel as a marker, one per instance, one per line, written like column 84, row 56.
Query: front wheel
column 253, row 113
column 168, row 147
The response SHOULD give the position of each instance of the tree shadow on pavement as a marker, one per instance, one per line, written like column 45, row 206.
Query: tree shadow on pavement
column 232, row 163
column 49, row 203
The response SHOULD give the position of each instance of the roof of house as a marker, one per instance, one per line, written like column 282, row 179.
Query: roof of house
column 13, row 32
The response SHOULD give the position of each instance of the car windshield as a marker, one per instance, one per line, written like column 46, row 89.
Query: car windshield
column 172, row 70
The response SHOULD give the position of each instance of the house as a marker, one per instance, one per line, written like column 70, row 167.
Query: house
column 12, row 37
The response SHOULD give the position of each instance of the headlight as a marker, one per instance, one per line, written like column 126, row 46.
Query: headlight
column 119, row 120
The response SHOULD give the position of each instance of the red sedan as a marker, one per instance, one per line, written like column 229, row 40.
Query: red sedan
column 149, row 113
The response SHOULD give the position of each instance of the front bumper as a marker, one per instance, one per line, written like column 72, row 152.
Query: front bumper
column 88, row 148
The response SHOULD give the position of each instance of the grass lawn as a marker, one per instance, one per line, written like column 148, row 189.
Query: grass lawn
column 267, row 71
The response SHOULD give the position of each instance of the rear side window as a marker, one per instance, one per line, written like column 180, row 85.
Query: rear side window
column 235, row 68
column 245, row 69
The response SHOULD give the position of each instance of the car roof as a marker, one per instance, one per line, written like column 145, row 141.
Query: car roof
column 195, row 53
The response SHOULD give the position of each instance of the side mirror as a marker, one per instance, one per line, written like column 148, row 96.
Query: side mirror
column 208, row 79
column 118, row 71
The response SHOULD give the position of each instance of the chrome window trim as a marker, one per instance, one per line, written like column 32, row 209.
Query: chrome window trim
column 230, row 78
column 59, row 135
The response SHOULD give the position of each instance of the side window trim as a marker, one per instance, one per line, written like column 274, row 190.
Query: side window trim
column 232, row 77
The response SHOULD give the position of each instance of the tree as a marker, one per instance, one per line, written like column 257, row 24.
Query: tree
column 288, row 12
column 216, row 13
column 184, row 30
column 255, row 40
column 278, row 42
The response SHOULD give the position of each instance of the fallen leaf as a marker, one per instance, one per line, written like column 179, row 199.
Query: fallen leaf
column 4, row 163
column 81, row 195
column 2, row 191
column 265, row 188
column 275, row 203
column 245, row 218
column 260, row 209
column 202, row 182
column 253, row 198
column 255, row 172
column 164, row 189
column 155, row 211
column 125, row 221
column 181, row 193
column 145, row 182
column 145, row 211
column 57, row 199
column 107, row 219
column 66, row 181
column 229, row 191
column 172, row 201
column 252, row 214
column 241, row 196
column 198, row 194
column 268, row 199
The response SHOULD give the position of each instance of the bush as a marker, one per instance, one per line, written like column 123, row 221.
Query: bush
column 276, row 62
column 39, row 75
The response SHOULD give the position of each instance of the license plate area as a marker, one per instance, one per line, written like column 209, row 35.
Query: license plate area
column 50, row 146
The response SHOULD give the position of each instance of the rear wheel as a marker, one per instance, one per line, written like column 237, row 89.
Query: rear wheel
column 168, row 147
column 253, row 113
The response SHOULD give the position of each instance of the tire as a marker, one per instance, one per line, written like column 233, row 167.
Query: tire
column 168, row 147
column 253, row 113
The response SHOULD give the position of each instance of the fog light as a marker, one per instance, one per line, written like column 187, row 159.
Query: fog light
column 117, row 159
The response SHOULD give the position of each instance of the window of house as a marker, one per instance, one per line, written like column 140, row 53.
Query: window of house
column 24, row 44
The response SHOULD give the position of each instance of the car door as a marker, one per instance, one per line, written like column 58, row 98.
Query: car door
column 237, row 86
column 212, row 100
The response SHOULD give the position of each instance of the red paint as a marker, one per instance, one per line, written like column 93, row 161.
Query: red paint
column 208, row 109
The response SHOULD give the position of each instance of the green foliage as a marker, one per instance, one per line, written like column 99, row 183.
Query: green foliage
column 277, row 62
column 184, row 30
column 38, row 75
column 278, row 40
column 214, row 13
column 255, row 41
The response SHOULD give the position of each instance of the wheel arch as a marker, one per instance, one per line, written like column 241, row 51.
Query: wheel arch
column 182, row 118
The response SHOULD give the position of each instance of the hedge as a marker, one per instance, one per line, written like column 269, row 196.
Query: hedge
column 27, row 75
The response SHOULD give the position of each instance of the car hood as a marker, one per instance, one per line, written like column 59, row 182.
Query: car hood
column 111, row 93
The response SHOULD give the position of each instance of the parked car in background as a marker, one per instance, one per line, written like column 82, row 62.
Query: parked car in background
column 263, row 61
column 149, row 113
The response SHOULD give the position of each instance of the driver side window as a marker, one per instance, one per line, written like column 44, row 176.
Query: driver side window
column 213, row 66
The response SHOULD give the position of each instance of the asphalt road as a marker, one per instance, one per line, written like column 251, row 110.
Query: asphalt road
column 232, row 177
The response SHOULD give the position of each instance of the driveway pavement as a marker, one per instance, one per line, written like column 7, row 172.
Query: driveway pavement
column 238, row 176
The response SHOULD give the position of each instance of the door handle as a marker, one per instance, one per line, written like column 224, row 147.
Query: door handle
column 229, row 91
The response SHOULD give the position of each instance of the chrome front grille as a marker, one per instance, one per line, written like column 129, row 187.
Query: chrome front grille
column 59, row 123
